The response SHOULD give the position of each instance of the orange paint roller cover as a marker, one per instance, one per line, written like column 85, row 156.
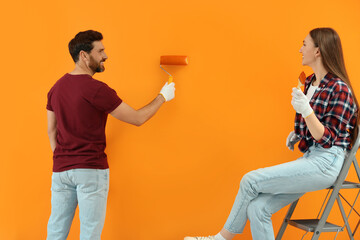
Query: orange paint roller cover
column 173, row 60
column 302, row 78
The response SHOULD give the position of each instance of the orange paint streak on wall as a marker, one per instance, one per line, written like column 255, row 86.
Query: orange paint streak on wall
column 179, row 173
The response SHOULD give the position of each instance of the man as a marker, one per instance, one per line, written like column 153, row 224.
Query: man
column 77, row 110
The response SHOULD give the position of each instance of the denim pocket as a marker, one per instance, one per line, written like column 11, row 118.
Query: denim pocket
column 56, row 183
column 327, row 159
column 87, row 180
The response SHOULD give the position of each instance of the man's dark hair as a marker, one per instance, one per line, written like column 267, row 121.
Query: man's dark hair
column 83, row 42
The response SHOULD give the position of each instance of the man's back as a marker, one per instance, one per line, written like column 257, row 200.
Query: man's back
column 81, row 105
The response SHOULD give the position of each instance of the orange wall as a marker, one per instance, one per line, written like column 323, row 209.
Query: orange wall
column 179, row 173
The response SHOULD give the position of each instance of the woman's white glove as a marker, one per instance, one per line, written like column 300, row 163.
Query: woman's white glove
column 291, row 140
column 168, row 91
column 301, row 103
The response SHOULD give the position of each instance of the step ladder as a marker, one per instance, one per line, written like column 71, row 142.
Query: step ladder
column 319, row 225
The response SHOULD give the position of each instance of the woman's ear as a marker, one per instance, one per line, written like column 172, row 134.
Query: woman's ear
column 317, row 52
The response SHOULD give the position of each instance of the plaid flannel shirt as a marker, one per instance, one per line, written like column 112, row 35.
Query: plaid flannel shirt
column 334, row 106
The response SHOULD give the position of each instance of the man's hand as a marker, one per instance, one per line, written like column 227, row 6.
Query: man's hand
column 168, row 91
column 301, row 103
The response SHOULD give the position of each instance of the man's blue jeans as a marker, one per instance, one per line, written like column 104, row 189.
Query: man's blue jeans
column 86, row 187
column 265, row 191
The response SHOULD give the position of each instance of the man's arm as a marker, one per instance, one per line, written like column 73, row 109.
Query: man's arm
column 127, row 114
column 52, row 132
column 138, row 117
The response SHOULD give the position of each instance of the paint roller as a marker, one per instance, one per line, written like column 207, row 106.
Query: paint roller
column 173, row 60
column 301, row 80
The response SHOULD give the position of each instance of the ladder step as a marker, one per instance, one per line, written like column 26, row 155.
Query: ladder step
column 309, row 225
column 348, row 185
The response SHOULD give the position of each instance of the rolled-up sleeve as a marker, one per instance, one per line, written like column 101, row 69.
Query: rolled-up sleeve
column 336, row 120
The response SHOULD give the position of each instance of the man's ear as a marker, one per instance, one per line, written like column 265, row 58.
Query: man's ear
column 84, row 56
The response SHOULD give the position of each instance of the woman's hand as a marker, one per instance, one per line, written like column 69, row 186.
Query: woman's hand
column 291, row 140
column 301, row 103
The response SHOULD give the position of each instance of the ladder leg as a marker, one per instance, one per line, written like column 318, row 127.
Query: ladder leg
column 341, row 207
column 325, row 214
column 286, row 219
column 356, row 166
column 356, row 228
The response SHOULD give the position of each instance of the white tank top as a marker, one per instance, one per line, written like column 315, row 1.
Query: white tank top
column 311, row 91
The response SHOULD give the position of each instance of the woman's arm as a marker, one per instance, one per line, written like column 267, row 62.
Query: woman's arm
column 315, row 127
column 301, row 105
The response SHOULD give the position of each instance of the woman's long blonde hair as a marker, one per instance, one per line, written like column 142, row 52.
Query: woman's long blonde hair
column 328, row 41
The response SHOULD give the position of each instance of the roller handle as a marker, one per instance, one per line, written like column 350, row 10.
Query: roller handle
column 171, row 79
column 299, row 84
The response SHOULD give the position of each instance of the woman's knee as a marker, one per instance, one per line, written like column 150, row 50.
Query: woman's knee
column 248, row 181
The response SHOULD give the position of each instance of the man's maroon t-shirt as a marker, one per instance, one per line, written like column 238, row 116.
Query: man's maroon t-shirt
column 81, row 105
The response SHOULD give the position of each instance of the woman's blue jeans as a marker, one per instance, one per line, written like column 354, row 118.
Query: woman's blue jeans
column 266, row 190
column 87, row 188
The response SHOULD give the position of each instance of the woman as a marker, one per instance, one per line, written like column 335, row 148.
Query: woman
column 325, row 125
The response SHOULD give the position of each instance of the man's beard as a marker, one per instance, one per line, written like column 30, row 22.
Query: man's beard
column 96, row 67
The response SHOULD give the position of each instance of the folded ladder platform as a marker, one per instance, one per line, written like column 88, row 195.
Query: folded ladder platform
column 309, row 225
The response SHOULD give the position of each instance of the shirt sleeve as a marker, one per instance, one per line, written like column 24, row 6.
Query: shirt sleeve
column 48, row 105
column 337, row 117
column 106, row 99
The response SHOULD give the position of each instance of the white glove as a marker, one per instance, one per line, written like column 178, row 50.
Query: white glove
column 168, row 91
column 291, row 140
column 301, row 103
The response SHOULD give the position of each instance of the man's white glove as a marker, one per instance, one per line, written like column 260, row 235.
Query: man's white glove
column 301, row 103
column 291, row 140
column 168, row 91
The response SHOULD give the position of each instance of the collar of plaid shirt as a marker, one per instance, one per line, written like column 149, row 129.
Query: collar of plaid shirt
column 333, row 105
